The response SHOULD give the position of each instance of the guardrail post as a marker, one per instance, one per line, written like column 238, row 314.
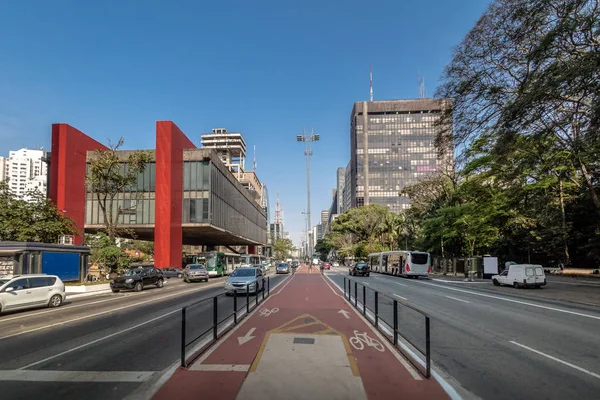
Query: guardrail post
column 376, row 308
column 364, row 300
column 344, row 287
column 268, row 286
column 183, row 337
column 356, row 294
column 427, row 347
column 215, row 316
column 263, row 289
column 395, row 322
column 247, row 299
column 256, row 293
column 235, row 310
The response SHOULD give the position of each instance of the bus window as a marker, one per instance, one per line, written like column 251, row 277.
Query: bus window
column 419, row 258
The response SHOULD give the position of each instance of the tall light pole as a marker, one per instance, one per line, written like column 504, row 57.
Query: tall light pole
column 308, row 140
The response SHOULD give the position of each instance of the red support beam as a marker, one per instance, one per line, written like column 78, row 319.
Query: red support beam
column 67, row 172
column 170, row 143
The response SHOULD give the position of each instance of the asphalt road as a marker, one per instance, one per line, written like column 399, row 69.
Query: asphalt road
column 496, row 344
column 104, row 346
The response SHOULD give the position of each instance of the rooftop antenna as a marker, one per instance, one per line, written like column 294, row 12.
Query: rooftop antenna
column 422, row 92
column 371, row 81
column 254, row 158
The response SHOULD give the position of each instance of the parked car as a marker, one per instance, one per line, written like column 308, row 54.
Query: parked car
column 521, row 275
column 360, row 269
column 172, row 272
column 282, row 268
column 242, row 279
column 29, row 291
column 195, row 273
column 138, row 278
column 326, row 266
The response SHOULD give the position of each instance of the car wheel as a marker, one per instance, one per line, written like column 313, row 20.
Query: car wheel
column 115, row 290
column 366, row 274
column 55, row 301
column 495, row 282
column 160, row 283
column 186, row 280
column 206, row 280
column 138, row 287
column 179, row 276
column 515, row 285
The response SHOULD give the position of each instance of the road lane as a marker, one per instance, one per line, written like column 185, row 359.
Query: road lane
column 122, row 340
column 472, row 341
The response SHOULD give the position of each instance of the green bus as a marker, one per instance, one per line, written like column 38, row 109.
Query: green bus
column 217, row 263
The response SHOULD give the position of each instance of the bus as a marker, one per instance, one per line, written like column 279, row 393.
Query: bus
column 217, row 263
column 250, row 259
column 401, row 263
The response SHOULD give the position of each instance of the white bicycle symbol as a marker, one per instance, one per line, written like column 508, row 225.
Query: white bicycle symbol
column 359, row 340
column 265, row 312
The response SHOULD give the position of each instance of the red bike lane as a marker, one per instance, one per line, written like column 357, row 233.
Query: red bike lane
column 305, row 341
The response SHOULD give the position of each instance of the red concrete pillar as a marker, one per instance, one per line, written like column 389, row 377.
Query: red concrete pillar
column 251, row 249
column 67, row 172
column 170, row 143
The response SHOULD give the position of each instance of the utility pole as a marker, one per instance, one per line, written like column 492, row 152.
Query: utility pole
column 308, row 140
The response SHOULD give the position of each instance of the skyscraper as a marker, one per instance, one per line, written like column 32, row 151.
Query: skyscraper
column 399, row 148
column 25, row 170
column 324, row 217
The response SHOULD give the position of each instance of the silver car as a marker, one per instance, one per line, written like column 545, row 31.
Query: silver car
column 195, row 273
column 282, row 268
column 252, row 278
column 30, row 291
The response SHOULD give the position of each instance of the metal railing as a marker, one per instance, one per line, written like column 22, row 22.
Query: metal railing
column 221, row 324
column 398, row 326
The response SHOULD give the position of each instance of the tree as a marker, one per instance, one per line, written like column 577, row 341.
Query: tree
column 36, row 220
column 110, row 175
column 105, row 252
column 323, row 247
column 282, row 248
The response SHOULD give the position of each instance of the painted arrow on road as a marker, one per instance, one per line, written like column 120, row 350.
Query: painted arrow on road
column 247, row 337
column 345, row 313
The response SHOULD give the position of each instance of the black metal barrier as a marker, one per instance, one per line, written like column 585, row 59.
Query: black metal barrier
column 404, row 327
column 221, row 314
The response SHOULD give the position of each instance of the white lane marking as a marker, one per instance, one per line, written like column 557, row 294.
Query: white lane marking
column 399, row 284
column 568, row 364
column 365, row 283
column 411, row 370
column 75, row 376
column 400, row 297
column 99, row 340
column 449, row 281
column 221, row 367
column 457, row 299
column 513, row 301
column 344, row 313
column 247, row 337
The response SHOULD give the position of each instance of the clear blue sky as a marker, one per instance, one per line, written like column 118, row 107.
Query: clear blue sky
column 263, row 68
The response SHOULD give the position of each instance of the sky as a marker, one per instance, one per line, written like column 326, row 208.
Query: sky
column 267, row 69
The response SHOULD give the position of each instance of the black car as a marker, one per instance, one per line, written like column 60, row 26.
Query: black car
column 360, row 269
column 137, row 279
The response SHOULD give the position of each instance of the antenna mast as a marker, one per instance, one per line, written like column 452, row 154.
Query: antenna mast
column 422, row 92
column 254, row 158
column 371, row 81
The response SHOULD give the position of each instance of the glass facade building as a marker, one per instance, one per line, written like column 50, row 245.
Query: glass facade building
column 400, row 149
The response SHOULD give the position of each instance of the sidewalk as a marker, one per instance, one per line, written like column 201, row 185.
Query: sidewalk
column 304, row 342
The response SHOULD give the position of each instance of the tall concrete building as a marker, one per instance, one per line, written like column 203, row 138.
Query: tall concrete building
column 3, row 170
column 230, row 147
column 324, row 217
column 25, row 170
column 398, row 151
column 341, row 181
column 346, row 191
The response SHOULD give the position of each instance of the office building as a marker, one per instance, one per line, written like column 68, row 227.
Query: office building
column 25, row 170
column 346, row 191
column 398, row 151
column 324, row 217
column 340, row 181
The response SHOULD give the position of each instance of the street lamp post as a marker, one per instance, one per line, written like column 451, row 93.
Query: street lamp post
column 308, row 140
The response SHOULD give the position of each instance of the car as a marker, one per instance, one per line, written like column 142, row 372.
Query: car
column 245, row 279
column 335, row 264
column 138, row 278
column 195, row 273
column 261, row 266
column 360, row 269
column 295, row 264
column 326, row 266
column 282, row 268
column 19, row 292
column 172, row 272
column 521, row 275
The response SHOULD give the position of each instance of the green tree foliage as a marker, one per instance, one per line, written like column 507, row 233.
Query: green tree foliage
column 282, row 248
column 109, row 175
column 524, row 122
column 106, row 253
column 323, row 247
column 36, row 220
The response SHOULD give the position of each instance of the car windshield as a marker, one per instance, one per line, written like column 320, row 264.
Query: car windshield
column 3, row 281
column 281, row 265
column 132, row 272
column 257, row 266
column 361, row 266
column 196, row 266
column 244, row 272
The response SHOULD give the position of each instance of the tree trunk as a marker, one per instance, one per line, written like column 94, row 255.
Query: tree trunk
column 590, row 185
column 564, row 219
column 442, row 244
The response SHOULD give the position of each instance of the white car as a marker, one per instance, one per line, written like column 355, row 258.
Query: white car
column 336, row 264
column 29, row 291
column 521, row 275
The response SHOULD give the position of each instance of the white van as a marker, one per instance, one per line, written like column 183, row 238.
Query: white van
column 521, row 275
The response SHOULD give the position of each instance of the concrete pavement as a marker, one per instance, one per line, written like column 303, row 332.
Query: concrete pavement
column 498, row 344
column 304, row 342
column 107, row 346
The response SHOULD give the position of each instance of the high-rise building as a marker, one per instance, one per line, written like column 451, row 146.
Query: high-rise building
column 3, row 169
column 346, row 190
column 25, row 170
column 324, row 217
column 398, row 151
column 341, row 179
column 230, row 147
